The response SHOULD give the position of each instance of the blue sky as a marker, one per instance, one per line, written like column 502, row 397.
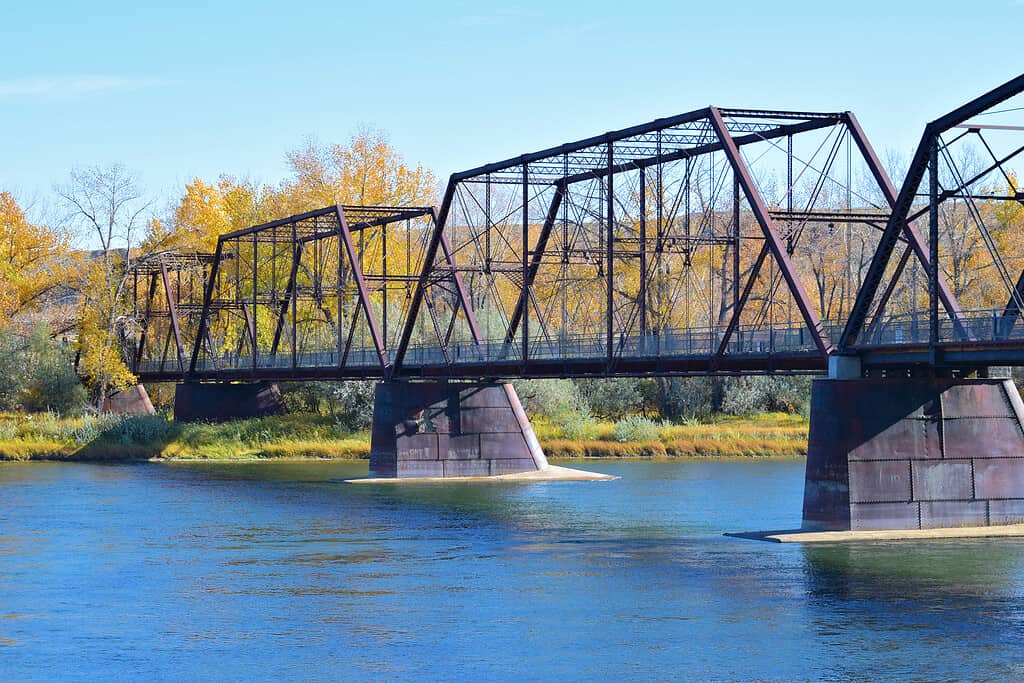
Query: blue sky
column 180, row 89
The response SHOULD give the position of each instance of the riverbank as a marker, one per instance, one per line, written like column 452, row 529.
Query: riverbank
column 306, row 436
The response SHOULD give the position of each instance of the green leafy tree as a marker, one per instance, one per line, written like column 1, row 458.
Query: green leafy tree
column 48, row 381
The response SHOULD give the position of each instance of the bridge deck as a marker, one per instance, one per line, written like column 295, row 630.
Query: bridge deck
column 899, row 340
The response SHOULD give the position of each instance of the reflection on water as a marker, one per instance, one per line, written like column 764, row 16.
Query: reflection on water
column 279, row 569
column 933, row 592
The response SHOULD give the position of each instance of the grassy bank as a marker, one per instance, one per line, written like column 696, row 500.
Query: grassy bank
column 46, row 437
column 109, row 437
column 769, row 434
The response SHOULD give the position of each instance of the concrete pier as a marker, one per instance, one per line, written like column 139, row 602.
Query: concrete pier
column 223, row 401
column 131, row 401
column 442, row 429
column 914, row 454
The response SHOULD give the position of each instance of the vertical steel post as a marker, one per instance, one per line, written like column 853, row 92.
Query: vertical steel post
column 643, row 254
column 487, row 224
column 609, row 271
column 206, row 306
column 339, row 290
column 524, row 296
column 255, row 311
column 735, row 242
column 933, row 242
column 383, row 284
column 295, row 299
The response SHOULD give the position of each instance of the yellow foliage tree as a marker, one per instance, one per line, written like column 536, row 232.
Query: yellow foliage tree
column 366, row 171
column 34, row 261
column 198, row 219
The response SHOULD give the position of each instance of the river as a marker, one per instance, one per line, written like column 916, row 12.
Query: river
column 263, row 570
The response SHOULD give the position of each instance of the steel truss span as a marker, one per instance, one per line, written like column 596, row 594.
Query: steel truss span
column 721, row 241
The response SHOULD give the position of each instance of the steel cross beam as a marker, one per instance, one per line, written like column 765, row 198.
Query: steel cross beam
column 141, row 348
column 772, row 239
column 207, row 298
column 173, row 311
column 901, row 206
column 364, row 297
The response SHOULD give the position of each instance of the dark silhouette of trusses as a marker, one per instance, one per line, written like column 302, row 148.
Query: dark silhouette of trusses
column 721, row 241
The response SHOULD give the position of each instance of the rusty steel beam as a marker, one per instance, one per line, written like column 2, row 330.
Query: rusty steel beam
column 287, row 299
column 538, row 256
column 141, row 348
column 910, row 234
column 364, row 296
column 901, row 207
column 741, row 303
column 699, row 150
column 775, row 244
column 460, row 287
column 207, row 297
column 173, row 311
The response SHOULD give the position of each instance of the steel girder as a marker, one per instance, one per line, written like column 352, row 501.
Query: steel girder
column 540, row 187
column 907, row 209
column 608, row 225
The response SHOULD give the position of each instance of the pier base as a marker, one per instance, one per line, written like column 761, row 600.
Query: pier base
column 914, row 454
column 132, row 401
column 441, row 429
column 224, row 401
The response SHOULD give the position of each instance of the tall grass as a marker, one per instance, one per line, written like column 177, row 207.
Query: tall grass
column 106, row 437
column 769, row 434
column 112, row 437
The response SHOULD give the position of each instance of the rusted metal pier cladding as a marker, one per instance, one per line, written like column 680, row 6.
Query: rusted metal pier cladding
column 914, row 453
column 437, row 429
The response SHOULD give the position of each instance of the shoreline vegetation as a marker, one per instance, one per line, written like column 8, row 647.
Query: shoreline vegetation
column 318, row 437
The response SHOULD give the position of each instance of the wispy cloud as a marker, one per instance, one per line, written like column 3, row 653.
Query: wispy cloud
column 56, row 86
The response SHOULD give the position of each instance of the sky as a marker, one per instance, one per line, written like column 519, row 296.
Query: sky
column 177, row 90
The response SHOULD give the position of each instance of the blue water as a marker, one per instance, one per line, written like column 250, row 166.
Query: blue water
column 269, row 571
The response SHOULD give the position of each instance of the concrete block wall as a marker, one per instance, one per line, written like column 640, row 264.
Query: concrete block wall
column 914, row 453
column 437, row 429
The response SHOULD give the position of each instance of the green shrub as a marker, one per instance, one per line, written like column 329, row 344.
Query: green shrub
column 749, row 395
column 48, row 381
column 635, row 428
column 551, row 398
column 614, row 398
column 578, row 426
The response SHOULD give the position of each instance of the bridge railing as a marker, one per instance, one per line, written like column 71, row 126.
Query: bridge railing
column 700, row 342
column 672, row 343
column 978, row 326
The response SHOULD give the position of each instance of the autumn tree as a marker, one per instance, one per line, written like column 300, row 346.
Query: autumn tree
column 107, row 207
column 367, row 171
column 35, row 261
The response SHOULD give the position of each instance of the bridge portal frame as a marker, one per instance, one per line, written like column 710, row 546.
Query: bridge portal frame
column 964, row 350
column 700, row 132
